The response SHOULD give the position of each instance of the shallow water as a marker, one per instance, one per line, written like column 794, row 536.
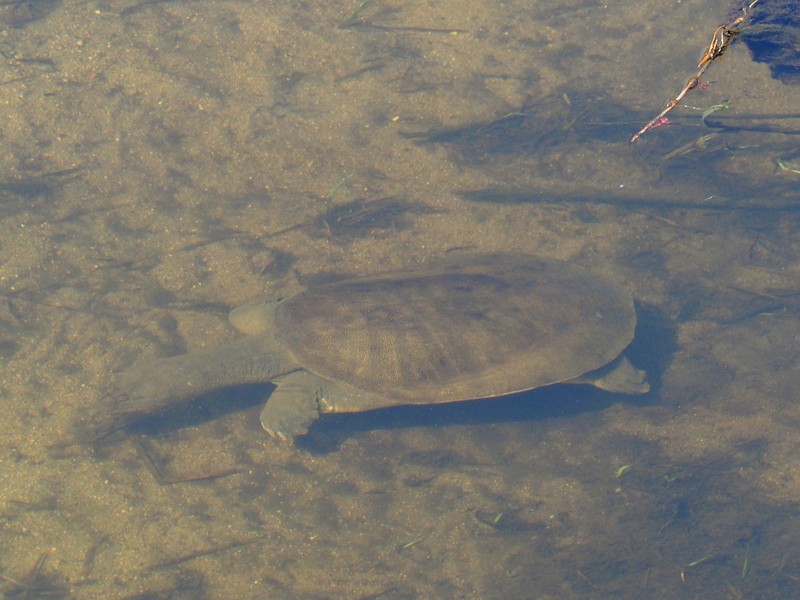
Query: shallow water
column 165, row 161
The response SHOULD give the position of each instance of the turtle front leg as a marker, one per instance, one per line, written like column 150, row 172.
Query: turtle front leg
column 294, row 405
column 300, row 398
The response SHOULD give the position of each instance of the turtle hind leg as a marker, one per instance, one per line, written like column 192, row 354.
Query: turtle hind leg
column 619, row 377
column 293, row 406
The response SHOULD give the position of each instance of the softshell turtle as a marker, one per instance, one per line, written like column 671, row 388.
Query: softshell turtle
column 466, row 327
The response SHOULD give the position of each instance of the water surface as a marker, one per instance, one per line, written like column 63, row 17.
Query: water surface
column 164, row 161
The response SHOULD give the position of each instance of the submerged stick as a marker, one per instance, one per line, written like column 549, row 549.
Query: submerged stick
column 719, row 44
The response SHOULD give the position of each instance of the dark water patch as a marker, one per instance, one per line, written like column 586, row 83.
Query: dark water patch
column 8, row 348
column 694, row 528
column 773, row 38
column 23, row 193
column 619, row 198
column 784, row 124
column 38, row 582
column 579, row 138
column 200, row 410
column 728, row 305
column 654, row 344
column 277, row 264
column 510, row 520
column 185, row 584
column 18, row 13
column 697, row 527
column 435, row 459
column 363, row 218
column 539, row 125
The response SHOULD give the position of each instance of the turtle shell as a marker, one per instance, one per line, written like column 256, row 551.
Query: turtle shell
column 470, row 326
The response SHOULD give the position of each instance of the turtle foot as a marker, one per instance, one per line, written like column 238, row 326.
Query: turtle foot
column 292, row 407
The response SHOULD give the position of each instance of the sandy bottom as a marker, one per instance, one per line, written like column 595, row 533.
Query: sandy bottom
column 165, row 161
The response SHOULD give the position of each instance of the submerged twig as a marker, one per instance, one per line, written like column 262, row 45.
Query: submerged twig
column 91, row 554
column 719, row 44
column 202, row 553
column 165, row 479
column 36, row 583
